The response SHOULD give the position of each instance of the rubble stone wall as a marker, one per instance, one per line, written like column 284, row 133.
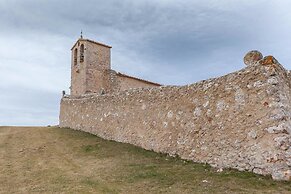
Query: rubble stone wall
column 241, row 120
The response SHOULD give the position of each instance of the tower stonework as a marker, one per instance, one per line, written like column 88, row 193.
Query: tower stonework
column 90, row 64
column 91, row 71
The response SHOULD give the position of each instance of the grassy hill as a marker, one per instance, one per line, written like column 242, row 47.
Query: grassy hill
column 53, row 160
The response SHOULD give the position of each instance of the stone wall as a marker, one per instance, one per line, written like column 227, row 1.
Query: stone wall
column 241, row 120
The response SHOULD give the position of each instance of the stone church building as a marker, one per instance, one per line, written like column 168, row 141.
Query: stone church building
column 91, row 71
column 241, row 120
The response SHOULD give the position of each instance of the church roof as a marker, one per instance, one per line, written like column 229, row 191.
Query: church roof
column 131, row 77
column 91, row 41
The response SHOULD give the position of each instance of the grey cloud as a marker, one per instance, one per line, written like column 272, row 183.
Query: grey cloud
column 167, row 41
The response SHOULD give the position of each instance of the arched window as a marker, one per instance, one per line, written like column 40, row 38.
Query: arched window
column 82, row 53
column 75, row 56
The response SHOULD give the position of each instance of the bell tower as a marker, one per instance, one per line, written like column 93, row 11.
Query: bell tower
column 90, row 64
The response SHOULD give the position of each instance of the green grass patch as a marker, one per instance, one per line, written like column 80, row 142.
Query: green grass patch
column 76, row 162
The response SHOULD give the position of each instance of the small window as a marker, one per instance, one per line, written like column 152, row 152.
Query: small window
column 75, row 56
column 82, row 53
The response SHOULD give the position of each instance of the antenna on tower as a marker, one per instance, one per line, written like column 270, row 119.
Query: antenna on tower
column 81, row 34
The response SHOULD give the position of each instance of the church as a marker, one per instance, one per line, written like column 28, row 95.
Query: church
column 241, row 120
column 91, row 71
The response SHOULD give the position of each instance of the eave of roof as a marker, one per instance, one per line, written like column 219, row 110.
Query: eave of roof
column 146, row 81
column 94, row 42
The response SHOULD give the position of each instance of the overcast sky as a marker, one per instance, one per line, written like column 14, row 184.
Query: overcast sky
column 173, row 42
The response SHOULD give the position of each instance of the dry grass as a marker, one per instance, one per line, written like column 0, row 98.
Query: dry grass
column 53, row 160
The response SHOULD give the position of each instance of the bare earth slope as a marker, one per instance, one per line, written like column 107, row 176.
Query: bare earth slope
column 53, row 160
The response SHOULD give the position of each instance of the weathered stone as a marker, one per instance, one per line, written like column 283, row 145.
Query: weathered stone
column 283, row 142
column 282, row 175
column 280, row 128
column 252, row 57
column 268, row 60
column 252, row 134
